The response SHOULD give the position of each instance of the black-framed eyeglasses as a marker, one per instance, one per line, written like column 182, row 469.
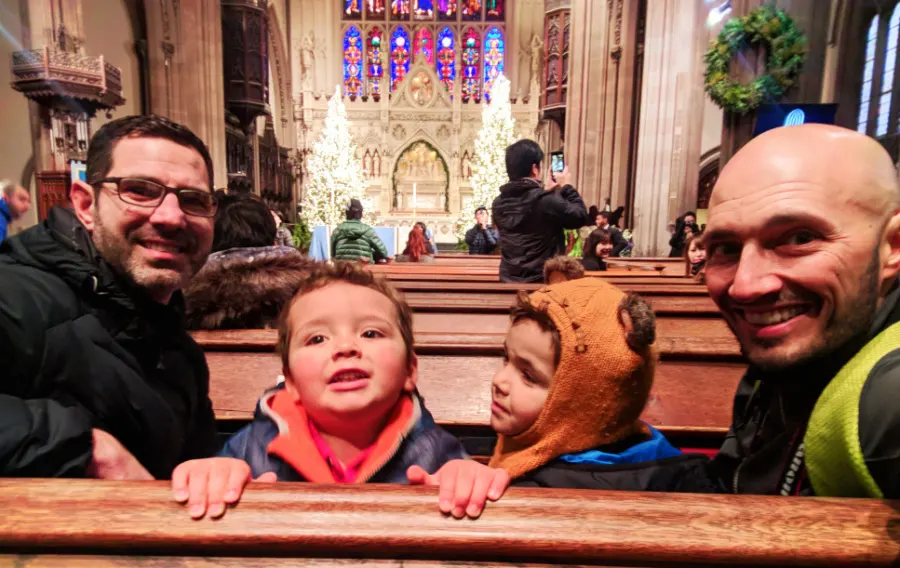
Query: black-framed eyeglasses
column 146, row 193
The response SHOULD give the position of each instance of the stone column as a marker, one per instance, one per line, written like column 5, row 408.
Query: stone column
column 598, row 133
column 671, row 121
column 186, row 85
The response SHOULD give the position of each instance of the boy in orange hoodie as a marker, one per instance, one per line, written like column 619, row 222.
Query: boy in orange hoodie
column 348, row 411
column 579, row 364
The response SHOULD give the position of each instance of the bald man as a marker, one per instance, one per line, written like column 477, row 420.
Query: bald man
column 14, row 202
column 803, row 254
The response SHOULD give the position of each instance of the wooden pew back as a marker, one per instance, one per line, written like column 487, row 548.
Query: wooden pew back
column 49, row 522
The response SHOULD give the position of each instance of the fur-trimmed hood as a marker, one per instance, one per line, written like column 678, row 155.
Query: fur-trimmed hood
column 244, row 288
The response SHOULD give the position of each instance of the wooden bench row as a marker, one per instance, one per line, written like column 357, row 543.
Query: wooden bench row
column 86, row 523
column 666, row 266
column 415, row 271
column 691, row 398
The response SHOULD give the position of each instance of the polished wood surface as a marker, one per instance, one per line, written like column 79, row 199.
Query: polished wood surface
column 668, row 266
column 688, row 396
column 397, row 522
column 419, row 271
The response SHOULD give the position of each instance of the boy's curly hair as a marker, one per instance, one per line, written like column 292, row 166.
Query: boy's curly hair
column 323, row 274
column 525, row 310
column 569, row 267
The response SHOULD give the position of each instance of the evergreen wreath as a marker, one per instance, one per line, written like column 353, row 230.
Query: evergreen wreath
column 765, row 28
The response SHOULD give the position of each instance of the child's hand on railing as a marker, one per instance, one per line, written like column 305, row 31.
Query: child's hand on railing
column 466, row 486
column 210, row 485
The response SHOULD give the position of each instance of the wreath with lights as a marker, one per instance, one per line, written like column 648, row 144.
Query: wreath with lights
column 765, row 28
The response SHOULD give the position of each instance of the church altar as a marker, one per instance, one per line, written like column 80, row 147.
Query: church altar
column 422, row 136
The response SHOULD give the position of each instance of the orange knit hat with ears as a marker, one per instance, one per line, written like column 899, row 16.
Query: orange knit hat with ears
column 602, row 381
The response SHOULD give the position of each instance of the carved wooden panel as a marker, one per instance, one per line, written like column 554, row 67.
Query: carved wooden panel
column 53, row 189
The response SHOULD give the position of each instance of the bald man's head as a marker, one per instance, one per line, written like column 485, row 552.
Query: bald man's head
column 845, row 161
column 803, row 241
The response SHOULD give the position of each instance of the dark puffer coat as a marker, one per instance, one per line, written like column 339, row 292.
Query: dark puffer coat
column 83, row 350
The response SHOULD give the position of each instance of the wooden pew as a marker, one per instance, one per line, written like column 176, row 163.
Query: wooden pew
column 101, row 524
column 667, row 266
column 403, row 271
column 691, row 398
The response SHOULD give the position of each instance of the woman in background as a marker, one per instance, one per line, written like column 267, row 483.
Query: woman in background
column 416, row 247
column 695, row 256
column 597, row 246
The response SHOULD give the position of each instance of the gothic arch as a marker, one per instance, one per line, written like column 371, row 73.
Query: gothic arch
column 280, row 70
column 419, row 136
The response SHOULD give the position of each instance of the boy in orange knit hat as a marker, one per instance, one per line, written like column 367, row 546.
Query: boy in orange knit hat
column 578, row 367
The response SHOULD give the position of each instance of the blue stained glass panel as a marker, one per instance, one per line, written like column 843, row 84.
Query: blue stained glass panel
column 494, row 51
column 353, row 85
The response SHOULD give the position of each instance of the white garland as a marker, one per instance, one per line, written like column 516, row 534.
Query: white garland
column 489, row 163
column 334, row 174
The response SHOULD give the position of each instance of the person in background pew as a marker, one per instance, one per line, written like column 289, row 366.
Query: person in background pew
column 430, row 247
column 482, row 238
column 248, row 279
column 354, row 240
column 604, row 221
column 15, row 201
column 530, row 218
column 416, row 247
column 562, row 268
column 578, row 366
column 597, row 247
column 803, row 256
column 695, row 256
column 283, row 236
column 348, row 411
column 100, row 379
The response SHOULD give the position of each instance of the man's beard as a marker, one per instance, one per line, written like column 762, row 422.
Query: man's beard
column 851, row 322
column 119, row 253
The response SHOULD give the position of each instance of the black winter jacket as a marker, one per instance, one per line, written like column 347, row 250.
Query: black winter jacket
column 687, row 473
column 81, row 350
column 771, row 412
column 531, row 221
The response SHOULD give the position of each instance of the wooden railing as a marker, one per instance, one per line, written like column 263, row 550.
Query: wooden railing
column 101, row 524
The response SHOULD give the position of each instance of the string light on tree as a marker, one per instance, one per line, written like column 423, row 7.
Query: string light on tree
column 489, row 163
column 335, row 174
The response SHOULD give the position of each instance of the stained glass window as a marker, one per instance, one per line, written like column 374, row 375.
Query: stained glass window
column 446, row 58
column 423, row 9
column 471, row 10
column 424, row 43
column 375, row 67
column 353, row 85
column 471, row 59
column 375, row 9
column 493, row 10
column 352, row 9
column 446, row 9
column 868, row 74
column 399, row 9
column 399, row 55
column 887, row 76
column 494, row 49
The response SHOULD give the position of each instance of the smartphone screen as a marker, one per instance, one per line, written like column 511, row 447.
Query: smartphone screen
column 557, row 164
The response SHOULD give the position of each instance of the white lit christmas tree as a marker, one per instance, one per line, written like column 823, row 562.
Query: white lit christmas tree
column 489, row 163
column 334, row 174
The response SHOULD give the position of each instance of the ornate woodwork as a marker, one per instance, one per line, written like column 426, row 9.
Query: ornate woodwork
column 276, row 177
column 245, row 50
column 238, row 156
column 53, row 189
column 555, row 80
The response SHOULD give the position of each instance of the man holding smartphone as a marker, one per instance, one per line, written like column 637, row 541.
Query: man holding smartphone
column 531, row 218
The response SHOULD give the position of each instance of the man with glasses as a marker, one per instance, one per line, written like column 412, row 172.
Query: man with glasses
column 99, row 377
